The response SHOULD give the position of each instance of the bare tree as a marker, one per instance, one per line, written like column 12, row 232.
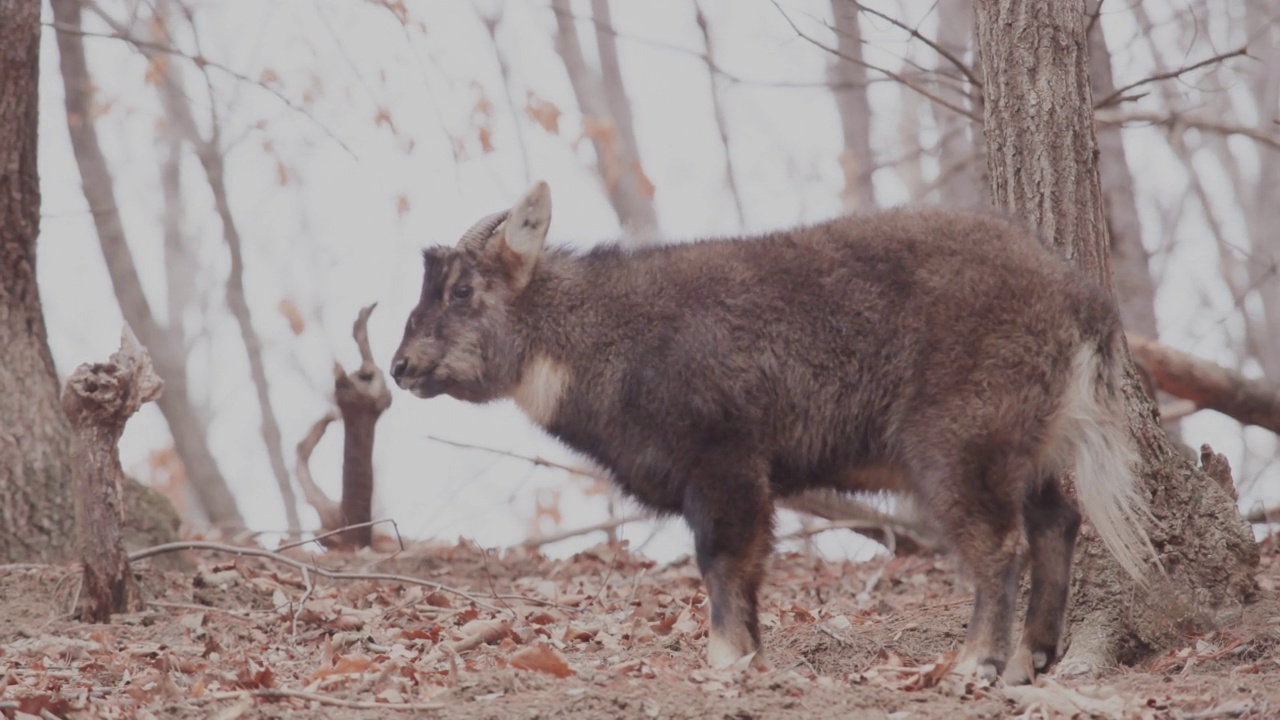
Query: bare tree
column 607, row 119
column 848, row 73
column 962, row 159
column 36, row 522
column 1042, row 160
column 167, row 350
column 1131, row 272
column 717, row 106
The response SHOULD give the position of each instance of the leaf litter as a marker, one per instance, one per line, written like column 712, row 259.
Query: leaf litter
column 604, row 633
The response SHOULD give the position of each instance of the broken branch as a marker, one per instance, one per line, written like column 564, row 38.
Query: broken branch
column 1209, row 385
column 99, row 399
column 328, row 510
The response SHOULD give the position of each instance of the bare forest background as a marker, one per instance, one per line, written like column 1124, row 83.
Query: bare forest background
column 237, row 179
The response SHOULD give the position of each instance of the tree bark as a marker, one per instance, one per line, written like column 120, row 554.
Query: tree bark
column 607, row 120
column 1042, row 159
column 99, row 399
column 848, row 76
column 36, row 524
column 168, row 353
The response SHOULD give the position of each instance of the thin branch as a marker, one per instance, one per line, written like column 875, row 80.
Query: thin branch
column 950, row 57
column 607, row 525
column 884, row 71
column 203, row 62
column 321, row 699
column 1264, row 514
column 1118, row 95
column 360, row 331
column 331, row 533
column 536, row 460
column 490, row 23
column 1175, row 120
column 302, row 566
column 717, row 106
column 328, row 510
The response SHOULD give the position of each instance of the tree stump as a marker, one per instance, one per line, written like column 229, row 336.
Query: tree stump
column 99, row 399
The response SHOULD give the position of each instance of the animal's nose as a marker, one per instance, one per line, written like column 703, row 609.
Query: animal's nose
column 398, row 368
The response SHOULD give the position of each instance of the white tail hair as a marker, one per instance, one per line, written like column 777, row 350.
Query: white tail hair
column 1092, row 436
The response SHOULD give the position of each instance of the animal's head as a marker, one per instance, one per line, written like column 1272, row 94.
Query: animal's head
column 459, row 339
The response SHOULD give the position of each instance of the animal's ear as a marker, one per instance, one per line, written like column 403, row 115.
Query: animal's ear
column 525, row 231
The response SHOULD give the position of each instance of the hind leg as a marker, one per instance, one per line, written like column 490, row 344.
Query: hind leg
column 1052, row 524
column 980, row 506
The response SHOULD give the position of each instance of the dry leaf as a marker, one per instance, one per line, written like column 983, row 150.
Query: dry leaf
column 289, row 309
column 541, row 658
column 544, row 113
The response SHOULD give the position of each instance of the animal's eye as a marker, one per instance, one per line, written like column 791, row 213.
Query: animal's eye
column 462, row 291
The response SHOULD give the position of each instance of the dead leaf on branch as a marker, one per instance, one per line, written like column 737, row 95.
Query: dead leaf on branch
column 289, row 309
column 543, row 112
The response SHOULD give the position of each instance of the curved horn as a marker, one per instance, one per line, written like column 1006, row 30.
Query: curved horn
column 475, row 238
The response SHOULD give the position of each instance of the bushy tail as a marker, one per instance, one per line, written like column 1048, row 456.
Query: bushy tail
column 1092, row 436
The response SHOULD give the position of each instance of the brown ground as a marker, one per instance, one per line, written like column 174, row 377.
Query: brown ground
column 600, row 635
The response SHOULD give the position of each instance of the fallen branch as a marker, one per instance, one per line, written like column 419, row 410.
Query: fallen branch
column 303, row 566
column 282, row 693
column 1209, row 385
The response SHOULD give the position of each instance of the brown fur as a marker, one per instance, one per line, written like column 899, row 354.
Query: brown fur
column 920, row 351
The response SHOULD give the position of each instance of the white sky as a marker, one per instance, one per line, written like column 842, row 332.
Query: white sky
column 331, row 239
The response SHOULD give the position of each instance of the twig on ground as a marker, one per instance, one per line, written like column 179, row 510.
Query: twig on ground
column 299, row 565
column 335, row 531
column 282, row 693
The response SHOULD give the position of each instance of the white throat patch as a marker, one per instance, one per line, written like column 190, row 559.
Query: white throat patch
column 541, row 387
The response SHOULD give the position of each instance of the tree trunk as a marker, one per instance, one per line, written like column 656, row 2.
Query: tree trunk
column 607, row 120
column 36, row 522
column 962, row 159
column 1131, row 272
column 1042, row 158
column 99, row 399
column 848, row 77
column 185, row 425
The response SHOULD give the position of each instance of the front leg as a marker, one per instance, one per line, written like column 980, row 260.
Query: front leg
column 731, row 515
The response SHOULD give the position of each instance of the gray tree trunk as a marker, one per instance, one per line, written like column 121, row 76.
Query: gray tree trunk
column 607, row 120
column 167, row 351
column 36, row 519
column 1042, row 158
column 849, row 80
